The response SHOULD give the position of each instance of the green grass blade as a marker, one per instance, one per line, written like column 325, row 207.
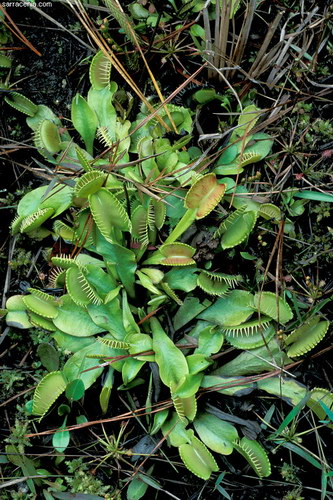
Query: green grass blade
column 291, row 415
column 304, row 454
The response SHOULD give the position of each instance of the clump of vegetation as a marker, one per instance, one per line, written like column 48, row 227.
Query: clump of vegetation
column 153, row 293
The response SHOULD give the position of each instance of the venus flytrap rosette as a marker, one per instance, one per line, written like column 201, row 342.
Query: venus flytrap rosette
column 111, row 289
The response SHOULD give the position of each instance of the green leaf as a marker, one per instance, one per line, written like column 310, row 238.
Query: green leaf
column 230, row 386
column 105, row 393
column 85, row 121
column 228, row 155
column 210, row 341
column 247, row 119
column 188, row 387
column 231, row 310
column 18, row 319
column 61, row 438
column 237, row 227
column 136, row 489
column 197, row 458
column 175, row 431
column 49, row 356
column 159, row 419
column 247, row 256
column 182, row 279
column 101, row 102
column 125, row 262
column 108, row 317
column 131, row 368
column 75, row 390
column 47, row 391
column 218, row 435
column 171, row 361
column 275, row 307
column 255, row 361
column 204, row 195
column 71, row 343
column 74, row 320
column 255, row 455
column 188, row 311
column 140, row 342
column 76, row 365
column 306, row 337
column 108, row 213
column 286, row 388
column 81, row 419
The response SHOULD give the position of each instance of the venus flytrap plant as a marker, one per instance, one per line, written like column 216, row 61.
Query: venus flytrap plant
column 108, row 318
